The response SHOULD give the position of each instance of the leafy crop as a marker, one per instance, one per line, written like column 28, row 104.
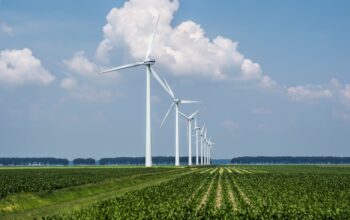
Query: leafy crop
column 240, row 193
column 39, row 180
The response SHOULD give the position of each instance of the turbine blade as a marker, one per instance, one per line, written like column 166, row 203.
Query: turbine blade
column 194, row 114
column 169, row 88
column 150, row 44
column 182, row 114
column 202, row 129
column 159, row 80
column 122, row 67
column 166, row 115
column 189, row 102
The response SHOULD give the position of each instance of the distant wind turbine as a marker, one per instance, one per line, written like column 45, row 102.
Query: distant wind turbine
column 189, row 120
column 202, row 144
column 176, row 103
column 210, row 146
column 205, row 141
column 197, row 129
column 147, row 62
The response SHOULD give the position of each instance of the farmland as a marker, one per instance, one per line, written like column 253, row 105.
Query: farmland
column 231, row 192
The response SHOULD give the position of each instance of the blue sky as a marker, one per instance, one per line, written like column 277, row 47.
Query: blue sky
column 273, row 76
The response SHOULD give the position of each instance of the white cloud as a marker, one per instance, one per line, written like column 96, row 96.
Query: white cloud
column 68, row 83
column 250, row 70
column 5, row 28
column 184, row 49
column 267, row 82
column 85, row 92
column 309, row 92
column 230, row 125
column 334, row 90
column 81, row 65
column 19, row 67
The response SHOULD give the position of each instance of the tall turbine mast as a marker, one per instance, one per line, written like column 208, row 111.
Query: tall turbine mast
column 147, row 62
column 197, row 129
column 202, row 144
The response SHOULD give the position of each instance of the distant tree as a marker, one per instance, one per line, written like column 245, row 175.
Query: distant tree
column 83, row 161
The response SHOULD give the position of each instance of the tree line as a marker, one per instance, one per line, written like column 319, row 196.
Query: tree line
column 32, row 161
column 160, row 160
column 41, row 161
column 290, row 160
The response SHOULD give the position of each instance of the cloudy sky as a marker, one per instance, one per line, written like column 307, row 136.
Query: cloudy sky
column 273, row 76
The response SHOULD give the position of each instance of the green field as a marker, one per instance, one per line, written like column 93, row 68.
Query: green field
column 222, row 192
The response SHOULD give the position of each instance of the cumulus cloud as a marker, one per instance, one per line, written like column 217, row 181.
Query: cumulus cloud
column 85, row 92
column 5, row 28
column 250, row 70
column 19, row 67
column 183, row 49
column 267, row 82
column 81, row 65
column 68, row 84
column 334, row 90
column 309, row 92
column 82, row 81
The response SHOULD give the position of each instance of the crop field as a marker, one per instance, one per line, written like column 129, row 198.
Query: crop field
column 223, row 192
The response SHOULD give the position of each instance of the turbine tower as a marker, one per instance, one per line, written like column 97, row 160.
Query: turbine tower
column 176, row 103
column 202, row 144
column 205, row 147
column 147, row 62
column 211, row 146
column 189, row 120
column 197, row 129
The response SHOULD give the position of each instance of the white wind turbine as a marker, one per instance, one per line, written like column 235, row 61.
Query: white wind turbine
column 197, row 129
column 189, row 120
column 176, row 103
column 147, row 62
column 205, row 140
column 210, row 148
column 207, row 151
column 202, row 144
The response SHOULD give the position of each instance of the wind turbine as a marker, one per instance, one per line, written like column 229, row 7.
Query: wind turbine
column 205, row 146
column 202, row 144
column 210, row 146
column 197, row 129
column 176, row 103
column 189, row 128
column 147, row 62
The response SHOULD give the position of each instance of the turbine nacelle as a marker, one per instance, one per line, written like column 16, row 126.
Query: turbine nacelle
column 177, row 101
column 149, row 61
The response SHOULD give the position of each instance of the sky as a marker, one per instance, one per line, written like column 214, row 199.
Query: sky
column 273, row 76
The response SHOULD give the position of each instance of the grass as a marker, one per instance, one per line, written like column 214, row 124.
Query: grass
column 31, row 205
